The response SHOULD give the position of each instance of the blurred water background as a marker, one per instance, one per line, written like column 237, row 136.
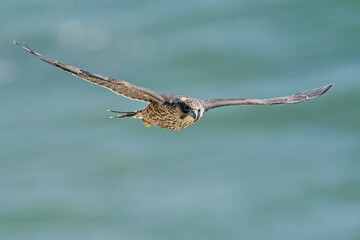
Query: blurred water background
column 67, row 171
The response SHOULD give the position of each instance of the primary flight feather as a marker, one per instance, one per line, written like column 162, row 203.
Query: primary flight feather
column 171, row 111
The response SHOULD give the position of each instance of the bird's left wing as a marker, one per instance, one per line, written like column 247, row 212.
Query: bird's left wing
column 295, row 98
column 118, row 86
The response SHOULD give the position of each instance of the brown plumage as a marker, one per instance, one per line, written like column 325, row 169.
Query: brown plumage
column 170, row 111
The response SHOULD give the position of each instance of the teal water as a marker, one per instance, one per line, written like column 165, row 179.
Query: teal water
column 67, row 171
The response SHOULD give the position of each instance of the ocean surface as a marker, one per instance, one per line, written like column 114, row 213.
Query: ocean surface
column 67, row 171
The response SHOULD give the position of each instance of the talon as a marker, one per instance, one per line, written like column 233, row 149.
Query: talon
column 147, row 124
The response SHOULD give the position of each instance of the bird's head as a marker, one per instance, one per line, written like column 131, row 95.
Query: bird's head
column 189, row 110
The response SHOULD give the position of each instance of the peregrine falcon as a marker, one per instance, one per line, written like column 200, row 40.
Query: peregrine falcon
column 171, row 111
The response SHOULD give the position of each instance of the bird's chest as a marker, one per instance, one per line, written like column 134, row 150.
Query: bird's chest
column 165, row 116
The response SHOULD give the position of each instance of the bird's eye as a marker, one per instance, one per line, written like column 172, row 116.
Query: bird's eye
column 186, row 108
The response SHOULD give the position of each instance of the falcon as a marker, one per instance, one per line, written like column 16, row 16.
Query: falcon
column 171, row 111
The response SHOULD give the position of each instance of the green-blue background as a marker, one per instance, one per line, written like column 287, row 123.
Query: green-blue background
column 67, row 171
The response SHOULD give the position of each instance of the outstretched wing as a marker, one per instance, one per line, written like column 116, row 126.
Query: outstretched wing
column 116, row 85
column 296, row 98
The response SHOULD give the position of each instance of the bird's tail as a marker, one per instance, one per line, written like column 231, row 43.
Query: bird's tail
column 135, row 114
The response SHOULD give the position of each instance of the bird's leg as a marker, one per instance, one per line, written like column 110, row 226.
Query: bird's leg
column 147, row 124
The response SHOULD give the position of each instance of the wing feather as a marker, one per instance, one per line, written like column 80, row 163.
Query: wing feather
column 118, row 86
column 291, row 99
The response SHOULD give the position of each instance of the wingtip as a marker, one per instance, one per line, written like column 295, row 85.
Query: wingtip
column 16, row 43
column 327, row 87
column 24, row 47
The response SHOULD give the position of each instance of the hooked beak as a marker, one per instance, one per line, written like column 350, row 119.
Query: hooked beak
column 194, row 114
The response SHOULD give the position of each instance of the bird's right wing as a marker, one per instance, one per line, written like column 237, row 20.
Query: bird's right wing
column 295, row 98
column 118, row 86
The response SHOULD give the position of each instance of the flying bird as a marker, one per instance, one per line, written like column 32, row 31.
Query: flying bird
column 171, row 111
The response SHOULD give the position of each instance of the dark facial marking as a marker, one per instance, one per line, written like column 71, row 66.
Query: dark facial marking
column 185, row 108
